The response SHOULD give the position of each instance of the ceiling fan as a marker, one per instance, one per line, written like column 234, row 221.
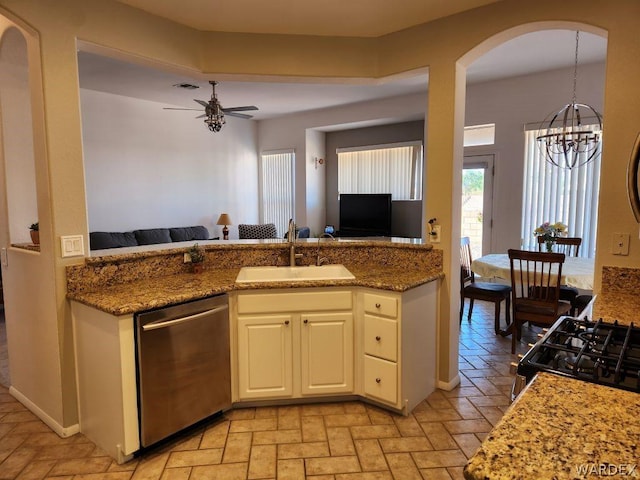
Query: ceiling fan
column 214, row 113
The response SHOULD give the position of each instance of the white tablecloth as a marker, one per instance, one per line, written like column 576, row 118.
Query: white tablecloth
column 576, row 271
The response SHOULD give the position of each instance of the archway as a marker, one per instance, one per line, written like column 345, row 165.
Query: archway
column 447, row 83
column 19, row 196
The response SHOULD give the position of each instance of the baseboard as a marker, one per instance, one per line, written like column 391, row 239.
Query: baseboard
column 450, row 385
column 42, row 415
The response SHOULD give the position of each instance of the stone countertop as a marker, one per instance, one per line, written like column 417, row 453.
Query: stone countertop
column 618, row 299
column 155, row 292
column 562, row 428
column 617, row 306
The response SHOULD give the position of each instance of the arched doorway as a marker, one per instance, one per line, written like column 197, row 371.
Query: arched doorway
column 19, row 197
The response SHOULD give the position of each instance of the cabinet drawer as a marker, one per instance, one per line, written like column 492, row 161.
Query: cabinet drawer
column 294, row 302
column 381, row 379
column 381, row 337
column 381, row 305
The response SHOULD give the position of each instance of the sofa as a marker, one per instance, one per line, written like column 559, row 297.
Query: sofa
column 150, row 236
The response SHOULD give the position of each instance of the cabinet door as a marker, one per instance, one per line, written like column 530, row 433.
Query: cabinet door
column 265, row 356
column 326, row 353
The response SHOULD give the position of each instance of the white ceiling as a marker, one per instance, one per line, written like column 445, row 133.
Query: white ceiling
column 534, row 52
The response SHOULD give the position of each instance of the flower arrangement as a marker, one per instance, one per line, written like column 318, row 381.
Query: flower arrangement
column 549, row 231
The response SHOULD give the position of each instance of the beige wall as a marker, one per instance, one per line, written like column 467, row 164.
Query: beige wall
column 439, row 45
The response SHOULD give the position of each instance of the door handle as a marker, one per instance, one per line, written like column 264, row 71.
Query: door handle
column 178, row 321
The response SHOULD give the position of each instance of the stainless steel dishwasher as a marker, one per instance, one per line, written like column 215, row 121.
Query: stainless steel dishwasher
column 183, row 366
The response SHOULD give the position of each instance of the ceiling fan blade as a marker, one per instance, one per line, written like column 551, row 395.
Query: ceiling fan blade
column 240, row 109
column 239, row 115
column 171, row 108
column 201, row 102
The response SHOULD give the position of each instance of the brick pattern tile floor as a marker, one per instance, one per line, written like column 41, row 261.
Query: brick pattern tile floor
column 329, row 441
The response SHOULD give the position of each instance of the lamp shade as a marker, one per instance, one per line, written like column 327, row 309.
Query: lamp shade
column 224, row 219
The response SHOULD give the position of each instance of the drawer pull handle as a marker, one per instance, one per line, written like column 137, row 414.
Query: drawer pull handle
column 377, row 305
column 306, row 320
column 378, row 380
column 286, row 322
column 378, row 338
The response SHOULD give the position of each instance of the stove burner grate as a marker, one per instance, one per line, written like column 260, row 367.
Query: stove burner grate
column 599, row 352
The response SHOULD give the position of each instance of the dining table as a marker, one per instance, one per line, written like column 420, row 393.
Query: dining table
column 576, row 271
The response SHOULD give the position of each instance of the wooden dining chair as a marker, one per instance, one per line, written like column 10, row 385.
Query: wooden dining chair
column 484, row 291
column 535, row 290
column 570, row 246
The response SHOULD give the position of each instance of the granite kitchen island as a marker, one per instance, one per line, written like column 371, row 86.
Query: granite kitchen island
column 372, row 336
column 562, row 428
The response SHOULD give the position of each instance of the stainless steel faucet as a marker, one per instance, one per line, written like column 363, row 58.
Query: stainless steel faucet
column 320, row 260
column 291, row 238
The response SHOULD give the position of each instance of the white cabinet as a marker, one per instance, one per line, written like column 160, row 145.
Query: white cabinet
column 308, row 342
column 398, row 345
column 265, row 360
column 106, row 377
column 326, row 353
column 293, row 344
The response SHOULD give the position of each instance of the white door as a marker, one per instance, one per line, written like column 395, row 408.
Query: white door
column 326, row 353
column 265, row 361
column 477, row 199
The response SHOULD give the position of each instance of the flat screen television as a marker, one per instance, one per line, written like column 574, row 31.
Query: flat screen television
column 365, row 214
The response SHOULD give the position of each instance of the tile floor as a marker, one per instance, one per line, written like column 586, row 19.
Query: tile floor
column 334, row 441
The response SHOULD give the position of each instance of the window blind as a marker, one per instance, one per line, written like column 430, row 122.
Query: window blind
column 383, row 169
column 559, row 195
column 276, row 187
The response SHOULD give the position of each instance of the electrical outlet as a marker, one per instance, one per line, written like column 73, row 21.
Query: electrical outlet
column 434, row 237
column 620, row 244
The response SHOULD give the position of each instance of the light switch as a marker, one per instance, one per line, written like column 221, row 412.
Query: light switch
column 72, row 246
column 620, row 244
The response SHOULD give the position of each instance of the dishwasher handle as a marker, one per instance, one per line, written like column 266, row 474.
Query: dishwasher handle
column 177, row 321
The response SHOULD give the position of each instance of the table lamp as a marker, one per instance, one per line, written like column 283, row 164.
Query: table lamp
column 224, row 220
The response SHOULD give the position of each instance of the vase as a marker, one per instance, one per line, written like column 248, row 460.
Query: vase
column 549, row 244
column 198, row 267
column 35, row 237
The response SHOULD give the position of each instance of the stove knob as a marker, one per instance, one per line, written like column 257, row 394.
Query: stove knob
column 540, row 335
column 531, row 345
column 545, row 330
column 513, row 367
column 520, row 356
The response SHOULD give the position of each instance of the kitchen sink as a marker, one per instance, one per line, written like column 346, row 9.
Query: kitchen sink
column 289, row 274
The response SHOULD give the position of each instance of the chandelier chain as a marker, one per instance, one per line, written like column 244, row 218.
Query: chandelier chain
column 575, row 68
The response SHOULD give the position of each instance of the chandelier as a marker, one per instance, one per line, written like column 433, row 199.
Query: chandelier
column 563, row 138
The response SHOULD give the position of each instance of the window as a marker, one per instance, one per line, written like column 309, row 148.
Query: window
column 395, row 169
column 559, row 195
column 276, row 188
column 476, row 135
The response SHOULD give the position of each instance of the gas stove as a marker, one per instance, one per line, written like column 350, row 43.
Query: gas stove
column 593, row 351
